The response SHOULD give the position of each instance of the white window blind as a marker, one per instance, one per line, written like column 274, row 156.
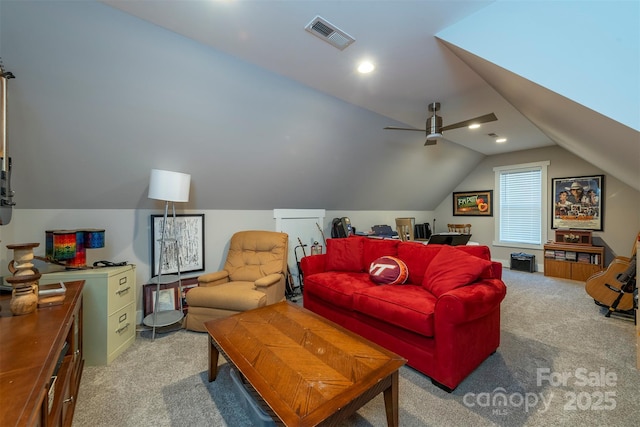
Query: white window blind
column 520, row 201
column 522, row 206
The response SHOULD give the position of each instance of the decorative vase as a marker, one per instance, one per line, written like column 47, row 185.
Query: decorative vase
column 24, row 297
column 22, row 263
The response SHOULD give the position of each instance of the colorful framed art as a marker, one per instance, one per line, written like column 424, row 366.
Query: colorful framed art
column 473, row 203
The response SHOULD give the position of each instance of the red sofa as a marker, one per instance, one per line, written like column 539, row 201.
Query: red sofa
column 445, row 320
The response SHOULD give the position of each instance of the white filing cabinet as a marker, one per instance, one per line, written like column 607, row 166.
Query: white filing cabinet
column 109, row 321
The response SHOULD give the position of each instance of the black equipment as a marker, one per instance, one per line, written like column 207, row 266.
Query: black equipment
column 449, row 239
column 341, row 227
column 422, row 231
column 523, row 262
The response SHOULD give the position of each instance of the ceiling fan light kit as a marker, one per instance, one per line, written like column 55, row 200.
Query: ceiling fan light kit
column 434, row 128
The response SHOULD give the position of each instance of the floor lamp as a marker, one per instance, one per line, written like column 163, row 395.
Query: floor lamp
column 170, row 187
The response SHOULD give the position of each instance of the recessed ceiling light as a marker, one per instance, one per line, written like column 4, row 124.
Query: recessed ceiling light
column 366, row 67
column 501, row 140
column 474, row 126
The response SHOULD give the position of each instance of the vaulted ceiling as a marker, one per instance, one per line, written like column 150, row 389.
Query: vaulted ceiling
column 238, row 94
column 415, row 68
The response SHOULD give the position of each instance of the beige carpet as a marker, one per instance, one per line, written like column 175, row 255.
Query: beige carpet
column 551, row 330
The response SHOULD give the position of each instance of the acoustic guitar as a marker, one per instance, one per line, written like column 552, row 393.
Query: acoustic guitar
column 614, row 286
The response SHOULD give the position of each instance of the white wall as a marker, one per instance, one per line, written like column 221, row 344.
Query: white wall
column 128, row 233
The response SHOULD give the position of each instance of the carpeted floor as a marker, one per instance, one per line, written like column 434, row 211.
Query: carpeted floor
column 560, row 362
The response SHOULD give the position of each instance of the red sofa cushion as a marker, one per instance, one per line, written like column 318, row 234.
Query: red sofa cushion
column 336, row 288
column 373, row 249
column 345, row 254
column 481, row 252
column 452, row 268
column 417, row 257
column 409, row 307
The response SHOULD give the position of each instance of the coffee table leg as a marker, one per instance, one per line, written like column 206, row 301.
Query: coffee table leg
column 213, row 361
column 391, row 401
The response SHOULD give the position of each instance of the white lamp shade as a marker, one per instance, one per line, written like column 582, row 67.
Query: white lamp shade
column 169, row 186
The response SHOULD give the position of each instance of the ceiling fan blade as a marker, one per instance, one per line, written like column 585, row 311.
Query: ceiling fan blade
column 482, row 119
column 397, row 128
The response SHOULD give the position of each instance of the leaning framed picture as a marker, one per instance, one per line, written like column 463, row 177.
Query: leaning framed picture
column 167, row 299
column 184, row 243
column 578, row 202
column 169, row 293
column 473, row 203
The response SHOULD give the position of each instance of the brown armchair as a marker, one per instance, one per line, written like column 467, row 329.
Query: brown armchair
column 253, row 276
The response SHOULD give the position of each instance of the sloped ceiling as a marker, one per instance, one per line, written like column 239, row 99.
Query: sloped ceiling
column 262, row 114
column 612, row 146
column 577, row 81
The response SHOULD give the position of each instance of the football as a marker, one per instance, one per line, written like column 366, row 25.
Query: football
column 388, row 270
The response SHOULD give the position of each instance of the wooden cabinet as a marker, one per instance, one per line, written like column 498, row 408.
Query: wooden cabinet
column 41, row 362
column 110, row 309
column 575, row 262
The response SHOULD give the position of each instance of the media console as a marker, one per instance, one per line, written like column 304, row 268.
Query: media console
column 575, row 262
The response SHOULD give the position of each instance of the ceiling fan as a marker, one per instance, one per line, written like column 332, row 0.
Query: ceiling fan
column 434, row 124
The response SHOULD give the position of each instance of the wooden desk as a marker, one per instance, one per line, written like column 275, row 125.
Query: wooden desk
column 309, row 371
column 34, row 347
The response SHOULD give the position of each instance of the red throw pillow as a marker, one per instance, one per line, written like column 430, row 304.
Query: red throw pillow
column 388, row 270
column 344, row 254
column 375, row 248
column 452, row 268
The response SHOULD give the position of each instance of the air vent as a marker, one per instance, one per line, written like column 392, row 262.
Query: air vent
column 328, row 32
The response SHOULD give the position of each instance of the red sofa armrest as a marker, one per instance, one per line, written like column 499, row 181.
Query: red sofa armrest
column 470, row 302
column 496, row 267
column 313, row 264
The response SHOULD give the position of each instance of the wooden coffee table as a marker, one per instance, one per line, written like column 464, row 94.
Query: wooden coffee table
column 305, row 369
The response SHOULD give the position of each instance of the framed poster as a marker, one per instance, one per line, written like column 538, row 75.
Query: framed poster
column 473, row 203
column 188, row 231
column 577, row 202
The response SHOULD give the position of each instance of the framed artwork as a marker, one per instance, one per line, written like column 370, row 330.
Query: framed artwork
column 188, row 231
column 473, row 203
column 577, row 202
column 168, row 295
column 168, row 298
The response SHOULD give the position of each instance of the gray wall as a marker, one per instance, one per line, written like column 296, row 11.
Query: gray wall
column 101, row 97
column 621, row 202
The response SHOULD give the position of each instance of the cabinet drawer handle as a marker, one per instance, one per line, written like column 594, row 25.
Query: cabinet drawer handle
column 122, row 291
column 120, row 330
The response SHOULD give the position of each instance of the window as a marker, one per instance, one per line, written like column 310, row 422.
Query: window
column 522, row 203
